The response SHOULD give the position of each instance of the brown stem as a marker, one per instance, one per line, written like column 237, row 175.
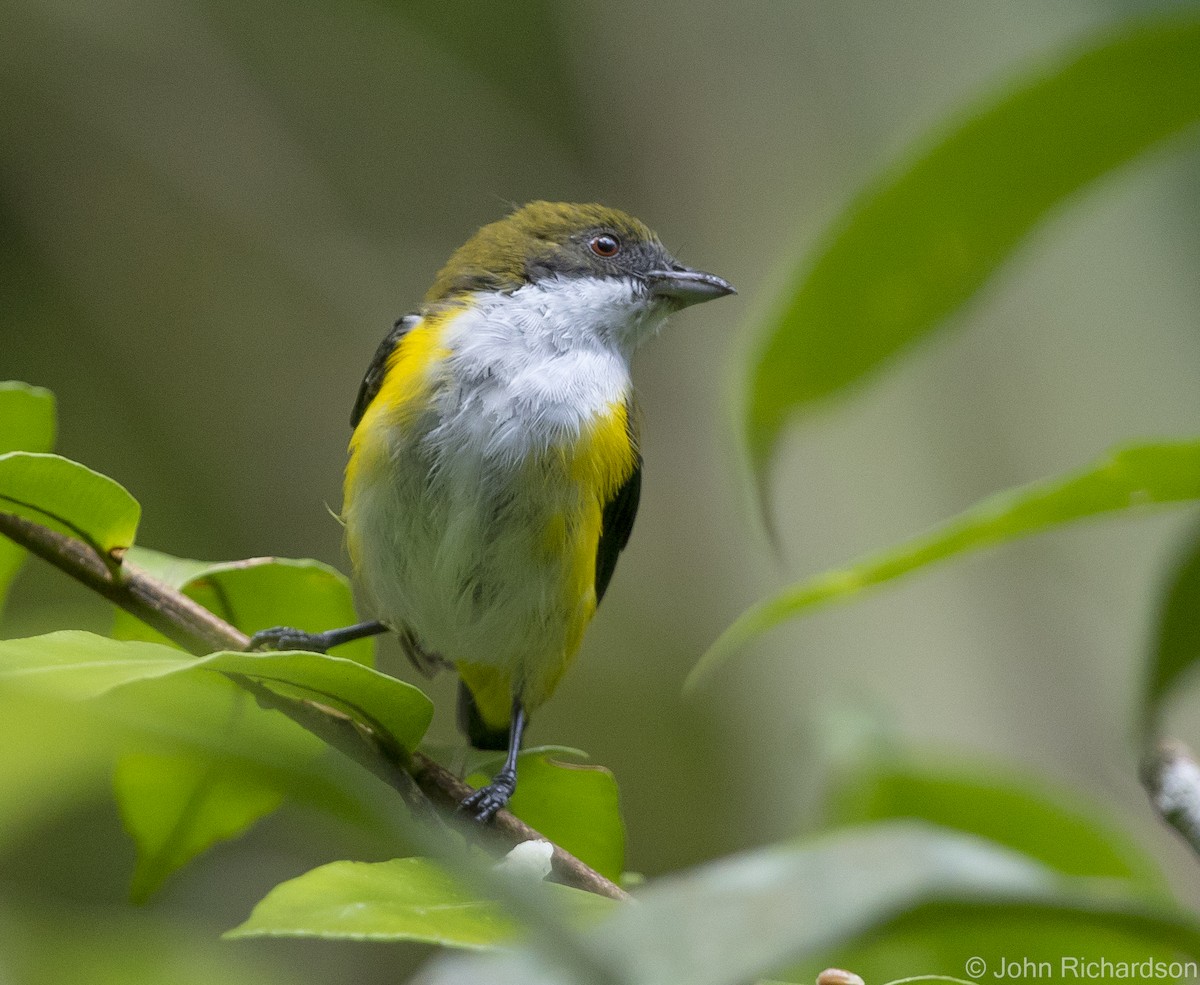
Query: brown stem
column 415, row 777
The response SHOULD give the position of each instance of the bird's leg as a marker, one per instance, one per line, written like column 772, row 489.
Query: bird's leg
column 287, row 638
column 485, row 801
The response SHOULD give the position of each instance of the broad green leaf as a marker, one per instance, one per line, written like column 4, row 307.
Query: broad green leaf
column 79, row 665
column 93, row 698
column 27, row 417
column 390, row 707
column 575, row 805
column 751, row 914
column 1016, row 811
column 204, row 800
column 1127, row 479
column 27, row 423
column 922, row 239
column 1177, row 643
column 69, row 498
column 256, row 594
column 177, row 805
column 406, row 899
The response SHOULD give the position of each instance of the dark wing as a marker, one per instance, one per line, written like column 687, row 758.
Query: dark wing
column 616, row 524
column 375, row 372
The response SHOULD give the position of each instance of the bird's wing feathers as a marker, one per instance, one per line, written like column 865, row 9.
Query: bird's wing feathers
column 373, row 379
column 616, row 524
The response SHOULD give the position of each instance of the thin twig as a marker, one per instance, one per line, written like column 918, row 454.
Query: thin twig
column 1171, row 777
column 414, row 776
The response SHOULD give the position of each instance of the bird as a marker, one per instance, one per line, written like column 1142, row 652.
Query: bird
column 494, row 468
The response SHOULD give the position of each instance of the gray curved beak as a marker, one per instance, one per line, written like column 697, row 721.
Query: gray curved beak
column 686, row 287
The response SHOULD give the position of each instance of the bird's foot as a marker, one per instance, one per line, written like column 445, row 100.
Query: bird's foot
column 482, row 805
column 289, row 638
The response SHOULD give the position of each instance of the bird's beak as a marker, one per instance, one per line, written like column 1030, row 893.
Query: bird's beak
column 684, row 287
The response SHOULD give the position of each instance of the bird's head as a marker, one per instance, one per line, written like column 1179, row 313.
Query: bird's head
column 576, row 249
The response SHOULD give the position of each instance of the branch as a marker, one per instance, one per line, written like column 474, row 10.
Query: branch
column 1171, row 777
column 414, row 776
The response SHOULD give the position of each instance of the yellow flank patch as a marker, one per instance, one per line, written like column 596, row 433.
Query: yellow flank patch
column 400, row 399
column 604, row 457
column 600, row 462
column 491, row 687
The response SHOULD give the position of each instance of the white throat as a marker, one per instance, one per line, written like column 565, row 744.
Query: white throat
column 532, row 367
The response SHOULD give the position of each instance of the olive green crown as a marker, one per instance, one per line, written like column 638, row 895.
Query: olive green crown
column 500, row 256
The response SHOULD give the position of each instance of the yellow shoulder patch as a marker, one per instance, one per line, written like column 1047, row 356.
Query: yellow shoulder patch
column 401, row 397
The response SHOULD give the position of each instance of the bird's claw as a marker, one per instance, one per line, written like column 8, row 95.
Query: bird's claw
column 483, row 804
column 288, row 638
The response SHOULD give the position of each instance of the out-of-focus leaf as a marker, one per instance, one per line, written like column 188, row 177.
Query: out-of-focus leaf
column 178, row 805
column 518, row 48
column 27, row 423
column 94, row 698
column 927, row 234
column 27, row 418
column 406, row 899
column 746, row 916
column 575, row 805
column 79, row 665
column 1125, row 480
column 46, row 946
column 70, row 498
column 1177, row 646
column 54, row 757
column 982, row 799
column 256, row 594
column 1055, row 942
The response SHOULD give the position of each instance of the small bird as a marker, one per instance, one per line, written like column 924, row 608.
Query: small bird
column 494, row 470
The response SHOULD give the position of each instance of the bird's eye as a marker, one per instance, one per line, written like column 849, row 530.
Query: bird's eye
column 605, row 246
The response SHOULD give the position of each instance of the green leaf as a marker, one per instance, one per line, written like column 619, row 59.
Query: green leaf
column 921, row 240
column 203, row 800
column 1029, row 940
column 206, row 799
column 1177, row 643
column 78, row 665
column 107, row 946
column 70, row 498
column 27, row 423
column 255, row 594
column 177, row 805
column 54, row 758
column 390, row 707
column 27, row 417
column 1017, row 811
column 575, row 805
column 406, row 899
column 85, row 699
column 1125, row 480
column 749, row 915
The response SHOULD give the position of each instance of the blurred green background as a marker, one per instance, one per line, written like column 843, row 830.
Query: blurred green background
column 211, row 212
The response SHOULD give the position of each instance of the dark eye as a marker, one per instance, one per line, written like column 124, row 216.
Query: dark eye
column 605, row 245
